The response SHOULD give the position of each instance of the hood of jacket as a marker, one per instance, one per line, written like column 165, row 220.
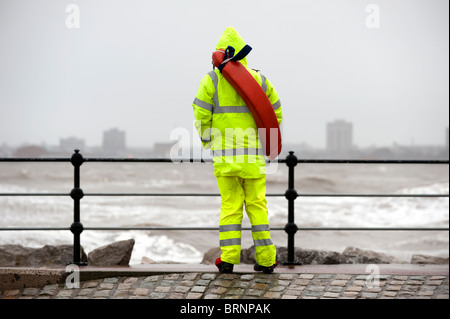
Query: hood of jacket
column 230, row 37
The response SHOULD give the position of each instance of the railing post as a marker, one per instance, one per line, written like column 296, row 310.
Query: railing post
column 77, row 194
column 291, row 194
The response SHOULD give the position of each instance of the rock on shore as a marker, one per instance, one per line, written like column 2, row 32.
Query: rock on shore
column 429, row 260
column 115, row 254
column 350, row 255
column 20, row 256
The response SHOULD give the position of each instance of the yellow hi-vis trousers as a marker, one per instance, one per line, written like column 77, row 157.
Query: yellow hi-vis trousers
column 235, row 192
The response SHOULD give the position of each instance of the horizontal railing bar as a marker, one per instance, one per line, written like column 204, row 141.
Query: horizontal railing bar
column 279, row 228
column 33, row 228
column 169, row 228
column 300, row 161
column 23, row 159
column 141, row 160
column 197, row 160
column 169, row 194
column 218, row 195
column 122, row 228
column 270, row 195
column 216, row 228
column 357, row 161
column 158, row 194
column 373, row 228
column 374, row 195
column 34, row 194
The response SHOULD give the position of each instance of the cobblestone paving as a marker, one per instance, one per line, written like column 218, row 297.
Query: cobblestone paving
column 245, row 286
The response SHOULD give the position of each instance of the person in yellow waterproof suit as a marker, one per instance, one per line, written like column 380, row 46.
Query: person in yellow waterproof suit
column 226, row 126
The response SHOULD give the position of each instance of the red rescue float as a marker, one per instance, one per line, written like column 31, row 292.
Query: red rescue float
column 256, row 99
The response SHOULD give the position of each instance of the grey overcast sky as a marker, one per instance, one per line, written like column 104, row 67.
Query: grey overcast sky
column 136, row 65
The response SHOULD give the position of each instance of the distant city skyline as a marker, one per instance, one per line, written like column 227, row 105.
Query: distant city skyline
column 340, row 135
column 96, row 141
column 340, row 147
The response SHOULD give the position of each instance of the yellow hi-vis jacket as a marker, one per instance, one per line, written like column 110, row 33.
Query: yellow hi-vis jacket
column 225, row 124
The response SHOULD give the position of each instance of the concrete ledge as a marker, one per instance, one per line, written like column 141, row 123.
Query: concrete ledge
column 384, row 269
column 15, row 278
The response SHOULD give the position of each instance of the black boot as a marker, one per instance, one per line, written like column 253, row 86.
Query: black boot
column 224, row 267
column 264, row 269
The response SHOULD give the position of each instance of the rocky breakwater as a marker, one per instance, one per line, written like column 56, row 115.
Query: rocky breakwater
column 115, row 254
column 119, row 254
column 20, row 256
column 350, row 255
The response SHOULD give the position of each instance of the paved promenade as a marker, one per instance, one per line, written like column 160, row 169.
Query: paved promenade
column 176, row 281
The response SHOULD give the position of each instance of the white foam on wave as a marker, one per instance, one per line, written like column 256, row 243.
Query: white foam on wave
column 148, row 244
column 156, row 247
column 369, row 212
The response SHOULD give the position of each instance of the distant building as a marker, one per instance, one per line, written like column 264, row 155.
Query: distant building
column 5, row 150
column 163, row 149
column 445, row 153
column 33, row 151
column 114, row 141
column 71, row 143
column 339, row 136
column 446, row 139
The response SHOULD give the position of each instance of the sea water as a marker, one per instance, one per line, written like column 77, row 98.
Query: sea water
column 189, row 246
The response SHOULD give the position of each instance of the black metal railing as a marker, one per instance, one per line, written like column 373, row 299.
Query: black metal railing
column 291, row 195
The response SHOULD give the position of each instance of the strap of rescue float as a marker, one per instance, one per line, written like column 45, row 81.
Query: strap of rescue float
column 229, row 55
